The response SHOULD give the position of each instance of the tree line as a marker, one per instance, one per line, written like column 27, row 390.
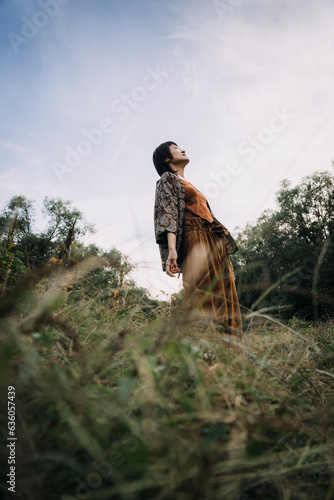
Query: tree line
column 285, row 262
column 26, row 254
column 284, row 266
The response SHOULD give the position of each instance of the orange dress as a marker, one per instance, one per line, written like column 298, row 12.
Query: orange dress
column 196, row 202
column 207, row 272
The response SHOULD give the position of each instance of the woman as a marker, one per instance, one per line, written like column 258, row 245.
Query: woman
column 193, row 242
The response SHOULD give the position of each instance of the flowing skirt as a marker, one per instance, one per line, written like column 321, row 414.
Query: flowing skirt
column 208, row 277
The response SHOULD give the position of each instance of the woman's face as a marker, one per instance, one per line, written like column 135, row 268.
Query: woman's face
column 178, row 154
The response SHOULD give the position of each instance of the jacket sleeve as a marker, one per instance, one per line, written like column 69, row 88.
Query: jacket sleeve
column 165, row 208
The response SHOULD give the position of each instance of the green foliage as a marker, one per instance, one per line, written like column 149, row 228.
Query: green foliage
column 22, row 247
column 60, row 216
column 110, row 283
column 11, row 258
column 25, row 211
column 11, row 264
column 292, row 251
column 106, row 282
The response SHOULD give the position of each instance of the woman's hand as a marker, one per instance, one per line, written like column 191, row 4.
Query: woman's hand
column 171, row 264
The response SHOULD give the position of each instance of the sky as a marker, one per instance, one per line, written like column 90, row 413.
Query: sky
column 88, row 90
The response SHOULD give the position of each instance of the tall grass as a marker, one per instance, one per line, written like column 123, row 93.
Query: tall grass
column 119, row 404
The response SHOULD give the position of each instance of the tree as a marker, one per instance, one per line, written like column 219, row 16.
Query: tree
column 21, row 209
column 292, row 251
column 61, row 215
column 106, row 280
column 22, row 247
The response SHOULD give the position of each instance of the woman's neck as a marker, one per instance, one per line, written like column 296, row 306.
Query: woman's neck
column 179, row 171
column 181, row 177
column 180, row 174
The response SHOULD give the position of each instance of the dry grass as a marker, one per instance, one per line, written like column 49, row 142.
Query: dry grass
column 121, row 407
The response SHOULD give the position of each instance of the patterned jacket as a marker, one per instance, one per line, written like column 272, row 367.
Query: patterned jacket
column 169, row 210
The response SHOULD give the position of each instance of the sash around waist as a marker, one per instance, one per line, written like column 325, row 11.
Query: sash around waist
column 214, row 228
column 200, row 224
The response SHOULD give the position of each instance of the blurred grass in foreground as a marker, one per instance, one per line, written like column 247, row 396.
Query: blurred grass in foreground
column 119, row 403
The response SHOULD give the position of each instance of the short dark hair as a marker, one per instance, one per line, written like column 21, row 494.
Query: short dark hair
column 160, row 154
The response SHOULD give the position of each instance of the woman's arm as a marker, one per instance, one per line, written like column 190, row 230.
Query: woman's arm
column 165, row 208
column 166, row 221
column 171, row 264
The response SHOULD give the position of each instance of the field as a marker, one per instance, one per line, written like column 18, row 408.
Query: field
column 133, row 403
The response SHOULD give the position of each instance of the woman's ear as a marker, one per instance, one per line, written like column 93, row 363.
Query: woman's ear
column 166, row 160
